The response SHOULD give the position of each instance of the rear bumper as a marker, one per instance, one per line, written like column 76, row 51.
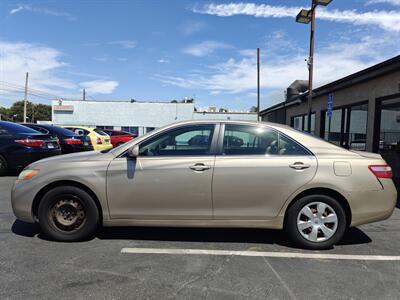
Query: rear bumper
column 102, row 147
column 373, row 206
column 21, row 159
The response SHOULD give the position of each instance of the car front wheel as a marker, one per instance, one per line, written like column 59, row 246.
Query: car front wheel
column 316, row 222
column 68, row 214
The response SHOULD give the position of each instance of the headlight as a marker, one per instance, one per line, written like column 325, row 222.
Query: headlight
column 27, row 174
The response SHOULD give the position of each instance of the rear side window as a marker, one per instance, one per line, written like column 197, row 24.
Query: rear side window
column 254, row 140
column 40, row 129
column 79, row 131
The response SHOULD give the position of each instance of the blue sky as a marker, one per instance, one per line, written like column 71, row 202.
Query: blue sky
column 163, row 50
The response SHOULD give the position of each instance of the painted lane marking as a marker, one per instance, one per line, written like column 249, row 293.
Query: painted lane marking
column 260, row 254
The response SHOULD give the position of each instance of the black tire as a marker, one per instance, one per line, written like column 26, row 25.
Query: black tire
column 292, row 218
column 3, row 166
column 62, row 203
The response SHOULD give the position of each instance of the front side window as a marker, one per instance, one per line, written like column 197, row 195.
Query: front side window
column 253, row 140
column 183, row 141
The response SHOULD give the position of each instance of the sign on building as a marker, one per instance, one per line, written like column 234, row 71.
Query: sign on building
column 330, row 103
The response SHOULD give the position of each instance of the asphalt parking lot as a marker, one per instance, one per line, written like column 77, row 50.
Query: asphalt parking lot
column 32, row 267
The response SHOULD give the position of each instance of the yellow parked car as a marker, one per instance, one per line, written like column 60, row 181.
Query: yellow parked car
column 100, row 140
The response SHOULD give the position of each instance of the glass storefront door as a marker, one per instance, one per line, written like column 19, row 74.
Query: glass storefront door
column 388, row 144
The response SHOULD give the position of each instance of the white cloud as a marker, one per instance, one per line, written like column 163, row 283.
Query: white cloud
column 163, row 61
column 236, row 76
column 99, row 86
column 387, row 20
column 392, row 2
column 205, row 48
column 45, row 11
column 126, row 44
column 100, row 59
column 192, row 27
column 40, row 61
column 49, row 74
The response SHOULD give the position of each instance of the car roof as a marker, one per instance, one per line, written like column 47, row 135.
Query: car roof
column 79, row 127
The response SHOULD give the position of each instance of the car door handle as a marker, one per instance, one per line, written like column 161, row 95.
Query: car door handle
column 200, row 167
column 299, row 166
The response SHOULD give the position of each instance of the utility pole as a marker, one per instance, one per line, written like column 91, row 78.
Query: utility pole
column 26, row 96
column 258, row 84
column 84, row 95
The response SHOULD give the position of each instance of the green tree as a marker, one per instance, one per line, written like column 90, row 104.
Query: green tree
column 253, row 109
column 34, row 112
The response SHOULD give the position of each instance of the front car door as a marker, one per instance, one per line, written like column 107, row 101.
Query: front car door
column 170, row 179
column 256, row 170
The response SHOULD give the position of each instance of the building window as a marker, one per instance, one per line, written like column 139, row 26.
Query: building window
column 134, row 130
column 105, row 127
column 148, row 129
column 347, row 127
column 300, row 122
column 357, row 137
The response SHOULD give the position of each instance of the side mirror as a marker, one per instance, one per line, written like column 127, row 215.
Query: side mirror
column 133, row 152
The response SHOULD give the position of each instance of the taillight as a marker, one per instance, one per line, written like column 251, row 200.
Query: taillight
column 30, row 142
column 99, row 141
column 73, row 141
column 381, row 171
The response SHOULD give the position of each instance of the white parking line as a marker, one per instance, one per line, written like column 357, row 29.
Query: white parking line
column 261, row 254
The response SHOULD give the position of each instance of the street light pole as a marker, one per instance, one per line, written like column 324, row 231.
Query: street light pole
column 258, row 84
column 306, row 16
column 311, row 68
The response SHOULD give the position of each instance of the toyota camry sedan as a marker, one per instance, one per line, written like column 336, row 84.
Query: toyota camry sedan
column 210, row 174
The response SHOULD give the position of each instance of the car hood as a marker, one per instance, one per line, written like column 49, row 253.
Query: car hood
column 74, row 157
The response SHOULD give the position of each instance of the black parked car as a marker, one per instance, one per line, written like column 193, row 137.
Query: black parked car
column 20, row 146
column 70, row 142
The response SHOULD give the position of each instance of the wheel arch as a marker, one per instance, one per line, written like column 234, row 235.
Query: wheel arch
column 327, row 192
column 50, row 186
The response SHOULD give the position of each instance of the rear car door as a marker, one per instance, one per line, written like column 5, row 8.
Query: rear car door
column 256, row 170
column 170, row 179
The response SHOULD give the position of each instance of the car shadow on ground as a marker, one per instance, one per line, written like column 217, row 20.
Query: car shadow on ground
column 353, row 236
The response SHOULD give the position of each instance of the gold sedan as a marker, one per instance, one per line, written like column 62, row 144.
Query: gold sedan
column 210, row 174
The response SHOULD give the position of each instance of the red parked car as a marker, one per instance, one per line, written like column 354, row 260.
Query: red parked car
column 118, row 137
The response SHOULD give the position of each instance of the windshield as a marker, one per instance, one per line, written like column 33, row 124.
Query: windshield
column 100, row 132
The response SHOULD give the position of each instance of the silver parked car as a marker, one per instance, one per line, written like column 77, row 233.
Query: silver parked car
column 210, row 174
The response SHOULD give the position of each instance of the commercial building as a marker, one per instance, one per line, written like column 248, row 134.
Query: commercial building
column 132, row 116
column 364, row 113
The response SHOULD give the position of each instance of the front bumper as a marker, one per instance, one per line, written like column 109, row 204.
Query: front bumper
column 22, row 196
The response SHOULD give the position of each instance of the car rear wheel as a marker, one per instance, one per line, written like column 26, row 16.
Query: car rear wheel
column 3, row 166
column 68, row 214
column 316, row 222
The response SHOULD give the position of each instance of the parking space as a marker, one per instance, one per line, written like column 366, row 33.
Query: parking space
column 32, row 267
